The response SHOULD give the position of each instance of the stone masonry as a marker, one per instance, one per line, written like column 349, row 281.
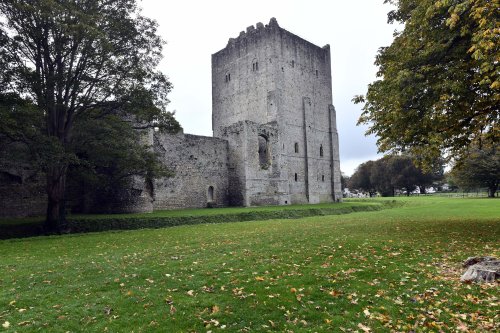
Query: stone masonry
column 272, row 94
column 274, row 126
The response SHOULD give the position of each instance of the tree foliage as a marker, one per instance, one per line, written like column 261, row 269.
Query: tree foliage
column 479, row 168
column 391, row 173
column 75, row 62
column 438, row 84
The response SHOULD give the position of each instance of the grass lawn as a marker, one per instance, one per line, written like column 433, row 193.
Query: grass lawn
column 201, row 212
column 390, row 270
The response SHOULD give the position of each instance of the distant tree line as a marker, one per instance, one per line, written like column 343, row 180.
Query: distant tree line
column 393, row 173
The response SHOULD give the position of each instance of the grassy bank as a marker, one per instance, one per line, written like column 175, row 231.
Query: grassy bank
column 389, row 270
column 25, row 227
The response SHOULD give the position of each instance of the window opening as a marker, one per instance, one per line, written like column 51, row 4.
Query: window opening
column 293, row 63
column 321, row 150
column 255, row 65
column 296, row 147
column 322, row 178
column 296, row 177
column 264, row 154
column 316, row 73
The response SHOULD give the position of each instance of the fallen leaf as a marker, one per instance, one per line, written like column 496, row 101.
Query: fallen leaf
column 364, row 328
column 334, row 293
column 6, row 325
column 190, row 292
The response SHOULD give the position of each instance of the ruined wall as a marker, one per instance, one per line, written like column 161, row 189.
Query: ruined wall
column 21, row 194
column 201, row 176
column 255, row 164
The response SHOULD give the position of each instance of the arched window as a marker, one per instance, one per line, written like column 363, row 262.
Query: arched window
column 255, row 65
column 210, row 194
column 264, row 154
column 321, row 150
column 296, row 147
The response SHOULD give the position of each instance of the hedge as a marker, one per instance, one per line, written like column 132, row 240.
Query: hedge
column 105, row 223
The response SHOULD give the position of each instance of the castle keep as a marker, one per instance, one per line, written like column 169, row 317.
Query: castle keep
column 275, row 136
column 274, row 141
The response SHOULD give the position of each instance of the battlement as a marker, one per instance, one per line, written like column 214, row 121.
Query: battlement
column 252, row 30
column 260, row 31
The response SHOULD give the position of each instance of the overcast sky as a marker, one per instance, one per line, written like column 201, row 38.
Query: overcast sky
column 195, row 29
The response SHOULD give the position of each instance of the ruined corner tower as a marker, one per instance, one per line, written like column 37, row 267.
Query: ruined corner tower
column 272, row 102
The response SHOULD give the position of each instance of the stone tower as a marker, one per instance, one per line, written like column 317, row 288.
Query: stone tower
column 272, row 102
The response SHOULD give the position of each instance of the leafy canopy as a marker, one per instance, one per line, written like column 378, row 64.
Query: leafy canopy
column 74, row 65
column 438, row 83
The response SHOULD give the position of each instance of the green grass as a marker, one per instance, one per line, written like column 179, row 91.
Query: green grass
column 390, row 270
column 198, row 212
column 26, row 227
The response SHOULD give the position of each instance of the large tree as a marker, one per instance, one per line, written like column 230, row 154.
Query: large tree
column 362, row 180
column 480, row 167
column 73, row 60
column 438, row 83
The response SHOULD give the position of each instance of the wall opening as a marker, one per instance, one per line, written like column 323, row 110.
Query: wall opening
column 322, row 178
column 255, row 65
column 321, row 150
column 293, row 63
column 264, row 152
column 296, row 147
column 296, row 177
column 210, row 194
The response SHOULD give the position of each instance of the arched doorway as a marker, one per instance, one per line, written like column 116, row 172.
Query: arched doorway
column 210, row 194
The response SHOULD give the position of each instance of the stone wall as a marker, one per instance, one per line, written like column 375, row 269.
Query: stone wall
column 268, row 75
column 22, row 195
column 201, row 176
column 255, row 164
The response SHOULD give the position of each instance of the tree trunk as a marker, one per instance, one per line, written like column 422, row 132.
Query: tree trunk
column 492, row 190
column 422, row 190
column 55, row 220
